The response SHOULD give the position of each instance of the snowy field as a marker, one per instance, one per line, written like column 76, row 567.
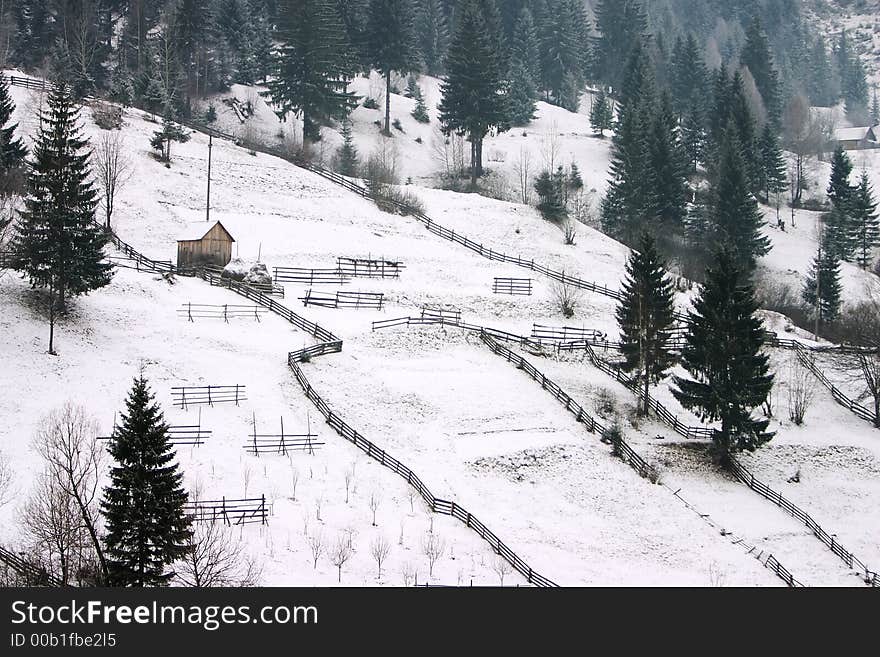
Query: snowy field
column 474, row 428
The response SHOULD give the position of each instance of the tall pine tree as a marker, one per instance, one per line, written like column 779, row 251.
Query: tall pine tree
column 822, row 289
column 757, row 57
column 733, row 212
column 147, row 528
column 524, row 71
column 313, row 65
column 12, row 151
column 772, row 176
column 645, row 316
column 57, row 244
column 601, row 114
column 432, row 34
column 865, row 224
column 730, row 375
column 391, row 43
column 620, row 26
column 473, row 102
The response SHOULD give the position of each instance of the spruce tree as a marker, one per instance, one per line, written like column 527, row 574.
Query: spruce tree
column 822, row 288
column 875, row 108
column 348, row 163
column 723, row 354
column 550, row 188
column 839, row 190
column 432, row 34
column 629, row 204
column 733, row 212
column 773, row 170
column 391, row 43
column 57, row 244
column 12, row 150
column 757, row 57
column 170, row 132
column 562, row 44
column 693, row 137
column 143, row 507
column 645, row 316
column 601, row 114
column 473, row 102
column 669, row 167
column 620, row 26
column 690, row 79
column 313, row 65
column 865, row 224
column 524, row 71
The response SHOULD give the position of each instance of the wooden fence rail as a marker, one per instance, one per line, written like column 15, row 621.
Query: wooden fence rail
column 32, row 574
column 514, row 286
column 193, row 311
column 231, row 511
column 806, row 358
column 184, row 396
column 369, row 268
column 309, row 276
column 356, row 300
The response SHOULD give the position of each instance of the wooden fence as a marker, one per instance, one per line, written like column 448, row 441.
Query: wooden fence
column 193, row 311
column 870, row 577
column 309, row 276
column 280, row 443
column 566, row 333
column 435, row 312
column 514, row 286
column 807, row 360
column 436, row 504
column 356, row 300
column 369, row 268
column 231, row 512
column 184, row 396
column 32, row 574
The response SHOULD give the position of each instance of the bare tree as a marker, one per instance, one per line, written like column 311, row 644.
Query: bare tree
column 5, row 480
column 316, row 545
column 349, row 476
column 53, row 528
column 502, row 568
column 806, row 135
column 294, row 479
column 67, row 441
column 434, row 547
column 339, row 554
column 566, row 298
column 218, row 557
column 411, row 494
column 870, row 367
column 801, row 389
column 114, row 169
column 319, row 502
column 379, row 548
column 551, row 143
column 569, row 232
column 409, row 572
column 374, row 505
column 522, row 167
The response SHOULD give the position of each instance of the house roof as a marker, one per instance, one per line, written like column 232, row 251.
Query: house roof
column 854, row 134
column 195, row 232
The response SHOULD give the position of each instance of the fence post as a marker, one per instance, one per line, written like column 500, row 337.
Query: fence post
column 210, row 403
column 264, row 517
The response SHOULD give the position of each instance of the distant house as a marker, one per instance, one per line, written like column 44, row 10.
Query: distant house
column 855, row 139
column 204, row 244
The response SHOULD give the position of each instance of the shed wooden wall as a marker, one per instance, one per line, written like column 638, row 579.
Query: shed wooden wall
column 215, row 248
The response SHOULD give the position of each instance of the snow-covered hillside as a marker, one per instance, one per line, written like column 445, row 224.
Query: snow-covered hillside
column 474, row 427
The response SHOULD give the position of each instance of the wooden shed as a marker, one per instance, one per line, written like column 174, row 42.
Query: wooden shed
column 204, row 244
column 855, row 139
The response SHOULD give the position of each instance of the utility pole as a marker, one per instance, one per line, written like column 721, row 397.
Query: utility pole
column 208, row 205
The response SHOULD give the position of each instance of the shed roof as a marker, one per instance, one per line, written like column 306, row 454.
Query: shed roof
column 854, row 134
column 195, row 232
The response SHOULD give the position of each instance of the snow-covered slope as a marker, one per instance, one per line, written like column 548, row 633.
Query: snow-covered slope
column 472, row 426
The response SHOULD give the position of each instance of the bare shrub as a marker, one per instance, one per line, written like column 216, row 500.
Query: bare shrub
column 569, row 232
column 106, row 115
column 717, row 576
column 67, row 442
column 114, row 169
column 502, row 568
column 801, row 390
column 374, row 505
column 606, row 403
column 316, row 545
column 566, row 298
column 294, row 479
column 655, row 472
column 379, row 549
column 409, row 572
column 339, row 554
column 433, row 547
